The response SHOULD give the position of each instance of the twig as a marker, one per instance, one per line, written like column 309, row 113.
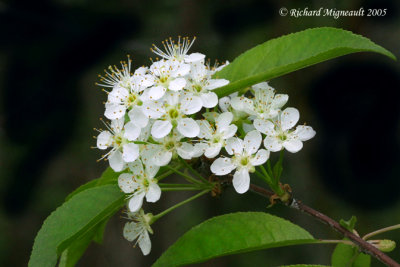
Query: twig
column 364, row 246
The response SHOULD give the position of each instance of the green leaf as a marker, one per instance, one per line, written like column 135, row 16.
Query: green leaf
column 230, row 234
column 304, row 265
column 348, row 256
column 74, row 252
column 350, row 224
column 72, row 220
column 288, row 53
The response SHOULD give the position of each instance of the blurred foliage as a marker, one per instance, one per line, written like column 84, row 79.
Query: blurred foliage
column 51, row 52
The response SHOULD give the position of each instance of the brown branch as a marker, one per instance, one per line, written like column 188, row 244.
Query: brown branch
column 364, row 246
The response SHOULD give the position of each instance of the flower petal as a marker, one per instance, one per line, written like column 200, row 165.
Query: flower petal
column 132, row 131
column 264, row 126
column 304, row 133
column 293, row 145
column 144, row 242
column 234, row 145
column 136, row 201
column 188, row 127
column 289, row 118
column 242, row 103
column 185, row 151
column 177, row 84
column 229, row 131
column 153, row 192
column 181, row 70
column 209, row 100
column 241, row 181
column 104, row 140
column 162, row 157
column 199, row 149
column 222, row 166
column 215, row 83
column 161, row 128
column 130, row 152
column 213, row 150
column 137, row 116
column 224, row 103
column 114, row 111
column 260, row 158
column 153, row 109
column 194, row 57
column 126, row 183
column 205, row 129
column 152, row 170
column 117, row 95
column 136, row 167
column 191, row 104
column 156, row 92
column 272, row 144
column 223, row 121
column 116, row 161
column 252, row 142
column 131, row 231
column 117, row 125
column 279, row 101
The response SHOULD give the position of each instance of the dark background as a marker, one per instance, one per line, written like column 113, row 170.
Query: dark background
column 52, row 51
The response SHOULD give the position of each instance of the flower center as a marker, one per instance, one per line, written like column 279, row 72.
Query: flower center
column 146, row 182
column 173, row 113
column 197, row 88
column 244, row 161
column 169, row 145
column 282, row 136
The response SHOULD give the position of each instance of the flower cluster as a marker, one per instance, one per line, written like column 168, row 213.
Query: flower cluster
column 169, row 111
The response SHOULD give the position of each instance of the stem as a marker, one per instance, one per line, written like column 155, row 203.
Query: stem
column 278, row 171
column 364, row 246
column 165, row 174
column 184, row 175
column 264, row 178
column 272, row 182
column 196, row 173
column 181, row 187
column 380, row 231
column 158, row 216
column 166, row 189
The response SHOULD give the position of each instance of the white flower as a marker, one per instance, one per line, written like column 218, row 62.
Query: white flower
column 172, row 113
column 200, row 84
column 140, row 183
column 264, row 106
column 139, row 229
column 120, row 99
column 215, row 138
column 168, row 147
column 116, row 77
column 118, row 137
column 279, row 134
column 246, row 155
column 178, row 50
column 167, row 74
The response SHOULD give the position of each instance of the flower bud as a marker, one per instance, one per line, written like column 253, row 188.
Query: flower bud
column 384, row 245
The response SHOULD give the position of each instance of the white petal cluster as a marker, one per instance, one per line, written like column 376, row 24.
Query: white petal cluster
column 170, row 111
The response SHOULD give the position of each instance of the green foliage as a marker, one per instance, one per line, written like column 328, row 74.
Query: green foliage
column 233, row 233
column 74, row 220
column 292, row 52
column 304, row 265
column 348, row 256
column 350, row 224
